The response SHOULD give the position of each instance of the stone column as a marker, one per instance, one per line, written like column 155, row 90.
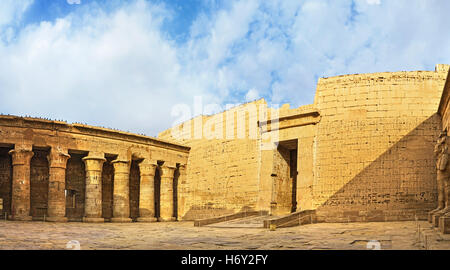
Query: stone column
column 181, row 183
column 93, row 199
column 121, row 194
column 57, row 161
column 147, row 191
column 166, row 199
column 20, row 201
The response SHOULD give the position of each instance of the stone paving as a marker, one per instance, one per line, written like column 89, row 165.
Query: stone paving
column 183, row 235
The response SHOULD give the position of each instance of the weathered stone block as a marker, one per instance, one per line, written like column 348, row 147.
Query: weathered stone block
column 444, row 224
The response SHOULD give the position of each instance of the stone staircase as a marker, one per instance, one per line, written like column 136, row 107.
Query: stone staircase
column 246, row 222
column 248, row 217
column 294, row 219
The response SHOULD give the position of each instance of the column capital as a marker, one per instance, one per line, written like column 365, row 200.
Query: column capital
column 148, row 167
column 168, row 170
column 120, row 161
column 94, row 162
column 57, row 158
column 182, row 168
column 121, row 165
column 95, row 156
column 21, row 156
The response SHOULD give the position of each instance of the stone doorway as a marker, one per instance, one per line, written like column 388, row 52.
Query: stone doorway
column 284, row 177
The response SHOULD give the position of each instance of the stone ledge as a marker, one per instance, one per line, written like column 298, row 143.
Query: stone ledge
column 207, row 221
column 294, row 219
column 86, row 130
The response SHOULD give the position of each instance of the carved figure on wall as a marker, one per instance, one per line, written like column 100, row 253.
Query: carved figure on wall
column 443, row 174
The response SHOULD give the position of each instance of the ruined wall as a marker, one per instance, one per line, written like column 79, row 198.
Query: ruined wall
column 222, row 174
column 374, row 151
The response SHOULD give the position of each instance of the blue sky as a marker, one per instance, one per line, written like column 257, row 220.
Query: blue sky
column 126, row 64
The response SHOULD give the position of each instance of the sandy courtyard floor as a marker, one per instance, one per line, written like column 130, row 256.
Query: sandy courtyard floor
column 183, row 235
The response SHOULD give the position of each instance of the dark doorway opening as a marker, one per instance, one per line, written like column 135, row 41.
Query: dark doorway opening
column 75, row 186
column 5, row 181
column 135, row 178
column 39, row 177
column 107, row 188
column 158, row 190
column 293, row 176
column 175, row 192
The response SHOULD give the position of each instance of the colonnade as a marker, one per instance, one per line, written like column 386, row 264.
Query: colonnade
column 56, row 207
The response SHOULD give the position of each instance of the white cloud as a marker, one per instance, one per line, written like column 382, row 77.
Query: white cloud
column 121, row 70
column 12, row 10
column 374, row 2
column 111, row 69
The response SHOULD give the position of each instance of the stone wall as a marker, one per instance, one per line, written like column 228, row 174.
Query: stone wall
column 374, row 150
column 444, row 105
column 222, row 174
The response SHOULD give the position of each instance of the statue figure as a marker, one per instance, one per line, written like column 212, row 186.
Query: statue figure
column 441, row 151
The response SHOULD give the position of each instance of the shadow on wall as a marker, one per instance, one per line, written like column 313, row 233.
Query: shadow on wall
column 399, row 185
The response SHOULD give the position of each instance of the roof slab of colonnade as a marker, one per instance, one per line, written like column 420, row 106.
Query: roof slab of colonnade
column 81, row 139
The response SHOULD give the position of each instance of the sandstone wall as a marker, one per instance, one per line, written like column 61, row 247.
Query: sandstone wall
column 223, row 165
column 374, row 151
column 444, row 106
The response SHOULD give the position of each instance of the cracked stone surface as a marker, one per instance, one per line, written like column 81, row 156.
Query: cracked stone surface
column 16, row 235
